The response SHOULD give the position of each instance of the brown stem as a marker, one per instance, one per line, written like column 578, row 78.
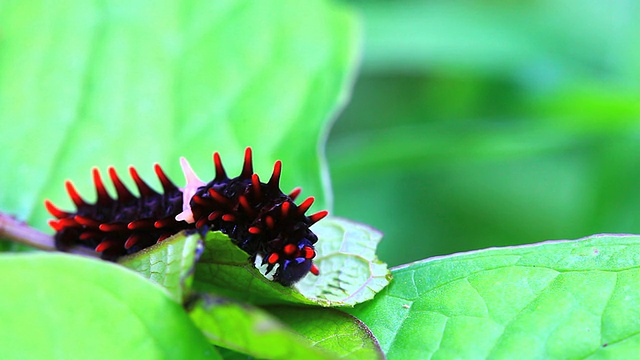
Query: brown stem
column 20, row 232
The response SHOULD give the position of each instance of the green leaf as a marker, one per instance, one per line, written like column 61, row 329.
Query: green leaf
column 120, row 83
column 250, row 330
column 558, row 299
column 64, row 306
column 332, row 330
column 350, row 271
column 169, row 264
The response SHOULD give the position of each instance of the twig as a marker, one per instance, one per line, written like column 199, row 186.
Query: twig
column 20, row 232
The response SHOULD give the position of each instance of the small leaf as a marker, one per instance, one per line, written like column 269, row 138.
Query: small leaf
column 332, row 330
column 350, row 271
column 65, row 306
column 169, row 264
column 250, row 330
column 560, row 299
column 225, row 269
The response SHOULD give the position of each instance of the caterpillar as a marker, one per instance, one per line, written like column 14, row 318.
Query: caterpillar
column 257, row 216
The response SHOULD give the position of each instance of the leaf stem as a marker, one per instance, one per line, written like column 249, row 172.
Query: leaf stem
column 20, row 232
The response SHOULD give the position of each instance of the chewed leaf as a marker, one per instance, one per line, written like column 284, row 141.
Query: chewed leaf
column 169, row 263
column 350, row 271
column 560, row 299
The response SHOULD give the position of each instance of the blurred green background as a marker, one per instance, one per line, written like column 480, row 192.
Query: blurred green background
column 490, row 123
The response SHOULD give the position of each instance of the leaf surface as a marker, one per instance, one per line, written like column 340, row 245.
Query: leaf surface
column 559, row 299
column 120, row 83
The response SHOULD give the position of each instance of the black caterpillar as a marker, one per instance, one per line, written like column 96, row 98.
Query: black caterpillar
column 257, row 216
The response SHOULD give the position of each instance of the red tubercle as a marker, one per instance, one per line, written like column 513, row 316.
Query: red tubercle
column 55, row 211
column 221, row 174
column 254, row 230
column 302, row 208
column 274, row 181
column 308, row 252
column 245, row 205
column 68, row 222
column 121, row 190
column 314, row 270
column 200, row 200
column 318, row 216
column 112, row 227
column 55, row 225
column 273, row 258
column 255, row 186
column 247, row 167
column 164, row 237
column 88, row 235
column 228, row 217
column 200, row 223
column 218, row 197
column 140, row 224
column 290, row 249
column 103, row 195
column 73, row 194
column 159, row 224
column 86, row 221
column 104, row 245
column 144, row 189
column 167, row 184
column 285, row 208
column 294, row 193
column 131, row 240
column 269, row 221
column 214, row 215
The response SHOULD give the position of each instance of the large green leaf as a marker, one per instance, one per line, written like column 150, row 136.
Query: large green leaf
column 65, row 306
column 564, row 299
column 87, row 84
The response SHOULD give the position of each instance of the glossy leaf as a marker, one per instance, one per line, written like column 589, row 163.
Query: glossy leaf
column 563, row 299
column 121, row 83
column 65, row 306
